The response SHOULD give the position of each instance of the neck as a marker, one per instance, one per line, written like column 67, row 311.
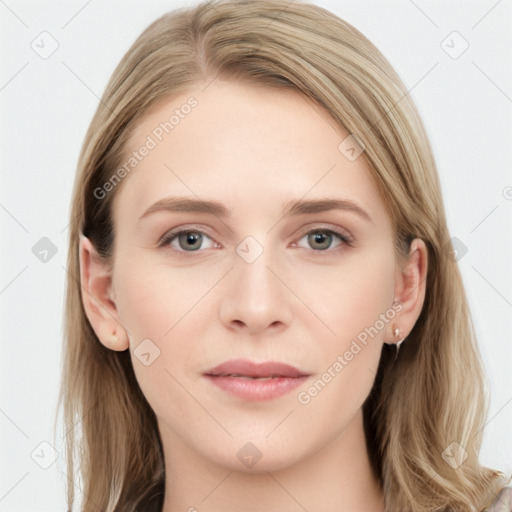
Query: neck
column 337, row 477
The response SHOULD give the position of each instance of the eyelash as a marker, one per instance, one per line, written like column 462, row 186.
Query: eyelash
column 346, row 240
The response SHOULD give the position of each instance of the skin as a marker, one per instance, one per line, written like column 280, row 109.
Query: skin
column 253, row 149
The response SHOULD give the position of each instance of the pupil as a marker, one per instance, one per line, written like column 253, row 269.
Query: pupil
column 189, row 239
column 321, row 238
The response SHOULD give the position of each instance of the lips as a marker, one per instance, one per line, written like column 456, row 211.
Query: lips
column 243, row 368
column 255, row 381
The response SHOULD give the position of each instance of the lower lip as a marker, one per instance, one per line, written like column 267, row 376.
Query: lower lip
column 254, row 390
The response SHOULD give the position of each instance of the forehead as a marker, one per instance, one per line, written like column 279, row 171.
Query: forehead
column 241, row 143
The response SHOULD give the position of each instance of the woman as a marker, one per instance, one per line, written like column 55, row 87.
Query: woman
column 263, row 311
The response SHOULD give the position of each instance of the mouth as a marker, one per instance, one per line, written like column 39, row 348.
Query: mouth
column 256, row 381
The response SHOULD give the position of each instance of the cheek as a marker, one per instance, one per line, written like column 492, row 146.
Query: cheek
column 352, row 296
column 169, row 307
column 153, row 298
column 357, row 308
column 155, row 304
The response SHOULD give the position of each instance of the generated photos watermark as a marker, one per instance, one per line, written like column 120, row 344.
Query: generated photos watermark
column 342, row 360
column 156, row 136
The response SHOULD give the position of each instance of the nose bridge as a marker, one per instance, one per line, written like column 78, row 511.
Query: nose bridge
column 255, row 280
column 254, row 297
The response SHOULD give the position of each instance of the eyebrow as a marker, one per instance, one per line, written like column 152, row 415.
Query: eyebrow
column 290, row 208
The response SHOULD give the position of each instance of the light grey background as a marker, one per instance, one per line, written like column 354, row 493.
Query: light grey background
column 47, row 104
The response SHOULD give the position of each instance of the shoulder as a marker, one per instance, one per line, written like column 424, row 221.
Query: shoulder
column 502, row 502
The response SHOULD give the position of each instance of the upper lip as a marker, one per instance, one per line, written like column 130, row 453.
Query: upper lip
column 244, row 368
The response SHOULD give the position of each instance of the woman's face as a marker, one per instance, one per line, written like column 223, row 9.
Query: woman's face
column 266, row 275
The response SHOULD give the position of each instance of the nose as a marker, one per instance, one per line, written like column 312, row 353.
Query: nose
column 255, row 298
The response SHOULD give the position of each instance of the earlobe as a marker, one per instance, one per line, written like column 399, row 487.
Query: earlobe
column 97, row 297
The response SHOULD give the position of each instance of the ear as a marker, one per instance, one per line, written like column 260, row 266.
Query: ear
column 97, row 297
column 410, row 286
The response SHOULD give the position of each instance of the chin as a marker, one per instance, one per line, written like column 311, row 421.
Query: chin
column 256, row 457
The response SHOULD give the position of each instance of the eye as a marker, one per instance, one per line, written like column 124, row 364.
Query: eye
column 193, row 240
column 320, row 239
column 186, row 240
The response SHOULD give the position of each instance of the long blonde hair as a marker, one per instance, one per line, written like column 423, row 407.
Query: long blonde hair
column 431, row 397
